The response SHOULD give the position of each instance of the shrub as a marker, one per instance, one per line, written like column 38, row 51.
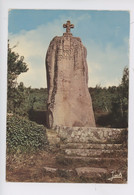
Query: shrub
column 24, row 135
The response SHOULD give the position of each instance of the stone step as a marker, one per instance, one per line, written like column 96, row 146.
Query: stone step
column 99, row 159
column 96, row 160
column 95, row 153
column 105, row 162
column 110, row 163
column 91, row 172
column 91, row 135
column 52, row 137
column 91, row 146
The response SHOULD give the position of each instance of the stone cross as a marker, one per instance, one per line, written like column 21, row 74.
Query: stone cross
column 68, row 26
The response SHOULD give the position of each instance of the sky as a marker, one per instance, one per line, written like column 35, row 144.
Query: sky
column 105, row 34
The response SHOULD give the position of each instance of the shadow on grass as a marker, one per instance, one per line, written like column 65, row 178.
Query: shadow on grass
column 39, row 117
column 104, row 120
column 111, row 120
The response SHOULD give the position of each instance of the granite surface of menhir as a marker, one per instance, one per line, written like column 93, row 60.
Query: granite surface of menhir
column 69, row 101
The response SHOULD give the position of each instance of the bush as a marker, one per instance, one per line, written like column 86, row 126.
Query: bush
column 24, row 135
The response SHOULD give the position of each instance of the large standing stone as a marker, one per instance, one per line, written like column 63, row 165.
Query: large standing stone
column 69, row 101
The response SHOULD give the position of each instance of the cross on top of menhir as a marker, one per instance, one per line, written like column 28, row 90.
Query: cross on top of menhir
column 68, row 26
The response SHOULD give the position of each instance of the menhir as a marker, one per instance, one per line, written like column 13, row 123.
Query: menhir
column 69, row 102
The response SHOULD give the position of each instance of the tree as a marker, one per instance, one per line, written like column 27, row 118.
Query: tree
column 120, row 101
column 125, row 83
column 111, row 104
column 16, row 66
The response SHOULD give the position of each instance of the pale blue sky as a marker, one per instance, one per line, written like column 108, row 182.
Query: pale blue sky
column 105, row 34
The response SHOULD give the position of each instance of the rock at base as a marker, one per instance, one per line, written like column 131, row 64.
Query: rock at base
column 91, row 171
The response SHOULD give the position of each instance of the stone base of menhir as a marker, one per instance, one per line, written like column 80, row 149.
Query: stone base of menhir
column 93, row 148
column 92, row 135
column 90, row 141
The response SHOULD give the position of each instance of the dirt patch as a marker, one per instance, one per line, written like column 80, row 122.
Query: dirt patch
column 32, row 168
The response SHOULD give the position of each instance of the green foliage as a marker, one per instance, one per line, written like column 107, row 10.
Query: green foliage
column 38, row 99
column 16, row 66
column 120, row 101
column 101, row 98
column 111, row 104
column 24, row 136
column 21, row 99
column 16, row 99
